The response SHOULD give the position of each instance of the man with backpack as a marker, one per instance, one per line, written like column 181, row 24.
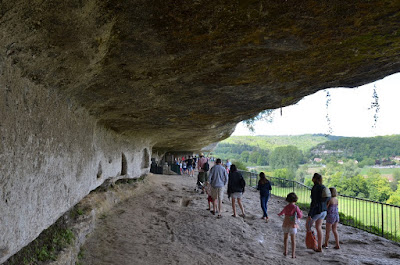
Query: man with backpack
column 203, row 168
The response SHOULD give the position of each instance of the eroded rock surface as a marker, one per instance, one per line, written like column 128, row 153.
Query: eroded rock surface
column 90, row 90
column 175, row 71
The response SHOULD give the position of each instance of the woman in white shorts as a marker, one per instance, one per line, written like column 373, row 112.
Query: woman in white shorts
column 236, row 186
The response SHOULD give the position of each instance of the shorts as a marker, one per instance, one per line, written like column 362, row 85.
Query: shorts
column 217, row 193
column 319, row 216
column 209, row 198
column 289, row 230
column 202, row 177
column 237, row 195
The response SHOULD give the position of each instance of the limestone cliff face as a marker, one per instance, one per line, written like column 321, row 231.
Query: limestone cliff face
column 92, row 89
column 175, row 71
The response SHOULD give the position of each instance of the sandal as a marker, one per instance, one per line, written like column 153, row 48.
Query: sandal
column 219, row 216
column 234, row 215
column 324, row 246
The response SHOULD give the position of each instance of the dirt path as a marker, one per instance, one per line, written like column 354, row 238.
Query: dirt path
column 168, row 223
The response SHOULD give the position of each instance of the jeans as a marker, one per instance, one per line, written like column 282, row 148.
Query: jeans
column 264, row 205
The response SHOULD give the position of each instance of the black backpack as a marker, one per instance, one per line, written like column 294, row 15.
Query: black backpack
column 206, row 166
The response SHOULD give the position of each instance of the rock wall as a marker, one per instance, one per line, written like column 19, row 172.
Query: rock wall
column 52, row 154
column 91, row 88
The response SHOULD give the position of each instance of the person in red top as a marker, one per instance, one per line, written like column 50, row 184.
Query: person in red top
column 290, row 224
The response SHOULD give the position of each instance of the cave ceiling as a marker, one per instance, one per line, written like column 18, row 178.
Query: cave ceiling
column 183, row 73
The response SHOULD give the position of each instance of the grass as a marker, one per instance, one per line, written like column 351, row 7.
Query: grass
column 382, row 171
column 45, row 248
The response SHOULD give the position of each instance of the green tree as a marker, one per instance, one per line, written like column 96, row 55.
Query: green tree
column 286, row 157
column 356, row 187
column 367, row 161
column 350, row 169
column 262, row 160
column 244, row 156
column 335, row 180
column 378, row 188
column 396, row 180
column 240, row 165
column 283, row 173
column 301, row 173
column 395, row 197
column 253, row 157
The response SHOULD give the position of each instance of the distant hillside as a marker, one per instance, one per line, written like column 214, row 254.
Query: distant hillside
column 255, row 150
column 302, row 142
column 358, row 148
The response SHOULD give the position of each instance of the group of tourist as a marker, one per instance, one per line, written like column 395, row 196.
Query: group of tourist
column 187, row 165
column 324, row 203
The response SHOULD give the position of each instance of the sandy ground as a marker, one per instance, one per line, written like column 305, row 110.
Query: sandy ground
column 167, row 222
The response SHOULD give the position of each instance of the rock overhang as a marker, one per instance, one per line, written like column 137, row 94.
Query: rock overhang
column 184, row 73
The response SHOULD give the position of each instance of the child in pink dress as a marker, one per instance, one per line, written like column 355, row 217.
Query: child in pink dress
column 292, row 212
column 332, row 219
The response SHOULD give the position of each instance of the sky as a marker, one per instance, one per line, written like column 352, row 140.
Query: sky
column 349, row 111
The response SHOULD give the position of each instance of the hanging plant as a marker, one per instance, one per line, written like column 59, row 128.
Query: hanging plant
column 375, row 105
column 328, row 120
column 264, row 115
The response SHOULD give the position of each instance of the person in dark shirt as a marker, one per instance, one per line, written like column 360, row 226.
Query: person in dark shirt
column 189, row 163
column 318, row 207
column 264, row 186
column 236, row 186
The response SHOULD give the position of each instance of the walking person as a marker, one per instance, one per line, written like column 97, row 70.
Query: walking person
column 318, row 207
column 189, row 165
column 236, row 186
column 184, row 167
column 228, row 165
column 290, row 224
column 202, row 167
column 264, row 186
column 218, row 178
column 332, row 219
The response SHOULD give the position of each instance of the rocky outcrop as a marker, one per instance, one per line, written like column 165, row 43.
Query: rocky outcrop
column 183, row 70
column 91, row 89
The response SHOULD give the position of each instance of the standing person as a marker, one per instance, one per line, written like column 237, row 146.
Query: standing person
column 218, row 178
column 318, row 207
column 189, row 163
column 181, row 166
column 292, row 212
column 193, row 166
column 332, row 219
column 184, row 166
column 236, row 186
column 228, row 165
column 264, row 186
column 202, row 176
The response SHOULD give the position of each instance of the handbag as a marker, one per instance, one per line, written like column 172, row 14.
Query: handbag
column 311, row 241
column 294, row 220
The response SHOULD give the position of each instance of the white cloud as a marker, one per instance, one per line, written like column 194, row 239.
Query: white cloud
column 349, row 112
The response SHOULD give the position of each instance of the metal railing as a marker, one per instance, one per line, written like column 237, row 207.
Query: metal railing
column 374, row 217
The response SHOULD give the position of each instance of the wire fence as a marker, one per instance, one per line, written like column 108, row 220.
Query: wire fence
column 375, row 217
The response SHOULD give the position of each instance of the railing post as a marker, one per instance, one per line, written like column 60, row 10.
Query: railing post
column 382, row 221
column 293, row 185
